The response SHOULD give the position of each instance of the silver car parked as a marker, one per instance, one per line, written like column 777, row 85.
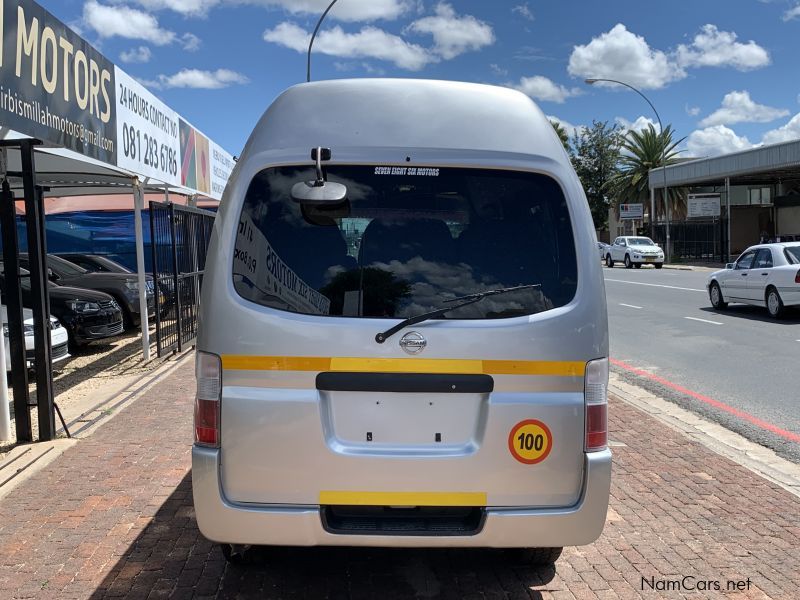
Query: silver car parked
column 403, row 336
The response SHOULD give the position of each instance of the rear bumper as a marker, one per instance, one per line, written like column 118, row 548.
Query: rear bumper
column 290, row 525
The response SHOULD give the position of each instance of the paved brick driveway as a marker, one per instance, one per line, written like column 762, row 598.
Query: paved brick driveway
column 112, row 517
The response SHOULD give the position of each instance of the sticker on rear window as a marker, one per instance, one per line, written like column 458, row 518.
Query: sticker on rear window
column 415, row 171
column 530, row 441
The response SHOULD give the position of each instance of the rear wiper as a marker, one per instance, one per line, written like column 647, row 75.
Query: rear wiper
column 462, row 301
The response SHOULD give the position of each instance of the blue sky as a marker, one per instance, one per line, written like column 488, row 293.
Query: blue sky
column 724, row 73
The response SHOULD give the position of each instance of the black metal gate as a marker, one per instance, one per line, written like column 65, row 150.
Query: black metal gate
column 692, row 240
column 180, row 236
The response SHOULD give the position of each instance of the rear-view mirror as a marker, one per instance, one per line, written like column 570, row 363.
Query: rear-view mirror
column 319, row 191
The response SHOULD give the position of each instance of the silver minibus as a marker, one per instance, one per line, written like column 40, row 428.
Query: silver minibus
column 403, row 334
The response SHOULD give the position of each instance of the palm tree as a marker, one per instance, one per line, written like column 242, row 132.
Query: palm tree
column 640, row 152
column 562, row 134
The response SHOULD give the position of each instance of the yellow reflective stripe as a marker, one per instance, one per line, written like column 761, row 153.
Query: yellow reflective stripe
column 275, row 363
column 534, row 367
column 403, row 365
column 402, row 498
column 406, row 365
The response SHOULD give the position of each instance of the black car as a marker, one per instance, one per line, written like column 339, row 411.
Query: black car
column 95, row 263
column 88, row 315
column 124, row 287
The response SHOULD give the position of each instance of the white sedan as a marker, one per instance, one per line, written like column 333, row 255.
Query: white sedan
column 58, row 339
column 764, row 275
column 634, row 251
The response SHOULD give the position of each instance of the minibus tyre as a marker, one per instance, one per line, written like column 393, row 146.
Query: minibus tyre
column 235, row 554
column 628, row 263
column 537, row 557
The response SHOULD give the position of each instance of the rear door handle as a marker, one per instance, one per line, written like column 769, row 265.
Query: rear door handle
column 744, row 274
column 764, row 274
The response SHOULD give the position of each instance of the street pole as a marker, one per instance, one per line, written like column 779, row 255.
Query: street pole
column 313, row 35
column 138, row 206
column 592, row 81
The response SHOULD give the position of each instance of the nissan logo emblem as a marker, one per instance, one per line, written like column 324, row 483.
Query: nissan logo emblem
column 413, row 342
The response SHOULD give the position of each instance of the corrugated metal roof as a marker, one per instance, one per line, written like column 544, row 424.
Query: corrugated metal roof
column 778, row 160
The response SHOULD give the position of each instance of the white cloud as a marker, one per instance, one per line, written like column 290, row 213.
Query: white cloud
column 197, row 79
column 784, row 133
column 523, row 11
column 692, row 111
column 641, row 123
column 498, row 70
column 110, row 21
column 738, row 107
column 714, row 48
column 452, row 34
column 370, row 42
column 620, row 54
column 623, row 55
column 190, row 42
column 351, row 10
column 184, row 7
column 716, row 140
column 142, row 54
column 792, row 13
column 542, row 88
column 354, row 66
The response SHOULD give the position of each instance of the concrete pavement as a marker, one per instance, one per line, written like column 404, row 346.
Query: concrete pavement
column 112, row 517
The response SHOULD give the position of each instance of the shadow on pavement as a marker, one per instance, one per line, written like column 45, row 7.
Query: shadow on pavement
column 170, row 558
column 755, row 313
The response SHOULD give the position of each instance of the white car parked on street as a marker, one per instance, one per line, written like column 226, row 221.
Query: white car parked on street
column 764, row 275
column 58, row 339
column 635, row 251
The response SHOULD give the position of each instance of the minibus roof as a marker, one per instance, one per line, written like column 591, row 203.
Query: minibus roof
column 405, row 113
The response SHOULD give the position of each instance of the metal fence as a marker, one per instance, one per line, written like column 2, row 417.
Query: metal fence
column 694, row 240
column 180, row 236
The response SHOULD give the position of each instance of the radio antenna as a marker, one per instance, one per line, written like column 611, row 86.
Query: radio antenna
column 313, row 35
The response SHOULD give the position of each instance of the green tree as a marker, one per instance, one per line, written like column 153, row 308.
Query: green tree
column 594, row 154
column 562, row 134
column 642, row 151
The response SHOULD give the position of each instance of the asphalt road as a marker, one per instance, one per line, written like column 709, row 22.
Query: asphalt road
column 661, row 322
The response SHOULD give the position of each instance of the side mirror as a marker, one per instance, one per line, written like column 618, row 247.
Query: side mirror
column 730, row 265
column 319, row 191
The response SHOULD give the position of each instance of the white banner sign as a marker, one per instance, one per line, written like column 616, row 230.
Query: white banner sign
column 702, row 205
column 147, row 131
column 55, row 86
column 631, row 211
column 221, row 167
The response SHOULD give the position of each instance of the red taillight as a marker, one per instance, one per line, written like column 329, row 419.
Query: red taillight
column 596, row 399
column 208, row 370
column 596, row 427
column 206, row 422
column 797, row 277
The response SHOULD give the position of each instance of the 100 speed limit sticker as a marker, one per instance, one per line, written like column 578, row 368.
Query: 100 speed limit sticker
column 530, row 441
